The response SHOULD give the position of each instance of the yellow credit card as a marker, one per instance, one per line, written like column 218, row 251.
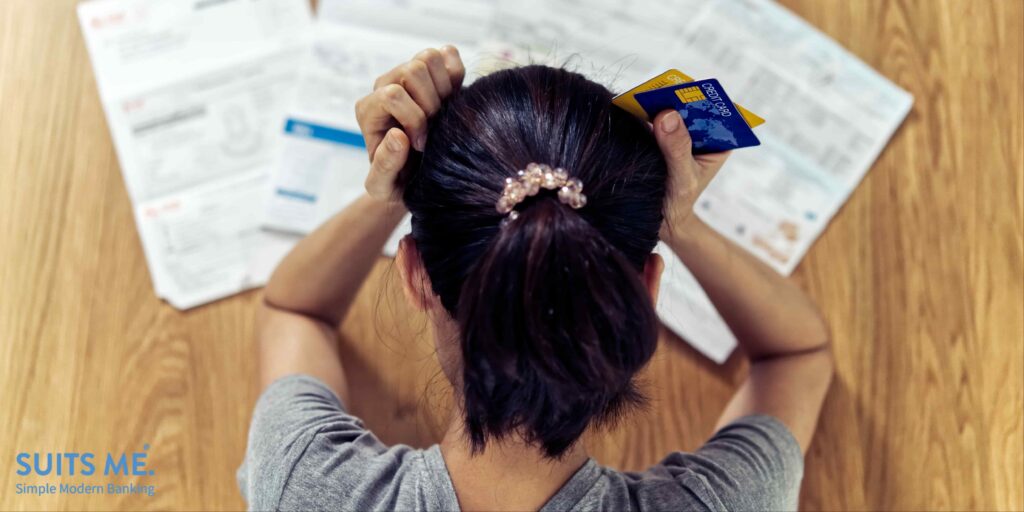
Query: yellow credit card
column 627, row 101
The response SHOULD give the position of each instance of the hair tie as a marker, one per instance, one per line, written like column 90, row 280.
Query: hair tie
column 529, row 181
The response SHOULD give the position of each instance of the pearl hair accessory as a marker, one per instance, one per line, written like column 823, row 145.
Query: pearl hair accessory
column 529, row 181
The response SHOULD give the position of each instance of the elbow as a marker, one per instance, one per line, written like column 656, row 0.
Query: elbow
column 809, row 340
column 825, row 360
column 284, row 304
column 817, row 331
column 279, row 295
column 828, row 362
column 276, row 298
column 818, row 359
column 276, row 293
column 263, row 320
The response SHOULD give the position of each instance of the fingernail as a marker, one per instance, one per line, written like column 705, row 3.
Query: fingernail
column 393, row 143
column 670, row 122
column 421, row 143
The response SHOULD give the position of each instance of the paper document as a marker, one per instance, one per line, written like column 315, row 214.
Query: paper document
column 194, row 93
column 829, row 116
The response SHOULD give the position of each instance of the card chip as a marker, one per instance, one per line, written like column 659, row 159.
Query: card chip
column 690, row 94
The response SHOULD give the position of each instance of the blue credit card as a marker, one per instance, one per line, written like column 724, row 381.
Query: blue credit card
column 714, row 123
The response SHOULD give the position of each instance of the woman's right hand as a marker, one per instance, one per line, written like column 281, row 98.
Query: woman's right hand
column 688, row 174
column 397, row 110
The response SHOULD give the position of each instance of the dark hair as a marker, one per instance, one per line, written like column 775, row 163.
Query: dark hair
column 554, row 317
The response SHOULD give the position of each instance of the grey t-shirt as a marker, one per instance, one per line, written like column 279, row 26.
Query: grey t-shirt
column 306, row 453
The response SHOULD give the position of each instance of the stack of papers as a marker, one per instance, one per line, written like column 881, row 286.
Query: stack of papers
column 232, row 116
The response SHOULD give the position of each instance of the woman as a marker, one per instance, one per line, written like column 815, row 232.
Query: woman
column 540, row 286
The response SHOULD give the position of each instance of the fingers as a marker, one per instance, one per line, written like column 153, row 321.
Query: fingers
column 677, row 146
column 453, row 64
column 408, row 95
column 388, row 159
column 418, row 81
column 417, row 78
column 674, row 140
column 378, row 112
column 434, row 62
column 445, row 67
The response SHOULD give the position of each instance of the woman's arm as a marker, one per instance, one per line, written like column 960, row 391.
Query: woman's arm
column 776, row 324
column 311, row 290
column 321, row 275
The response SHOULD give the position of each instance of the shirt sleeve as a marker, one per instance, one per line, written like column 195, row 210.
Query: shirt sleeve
column 753, row 463
column 288, row 416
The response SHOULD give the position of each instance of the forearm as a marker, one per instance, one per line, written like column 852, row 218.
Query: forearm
column 768, row 313
column 321, row 275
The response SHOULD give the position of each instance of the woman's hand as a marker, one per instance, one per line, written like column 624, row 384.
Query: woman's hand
column 396, row 113
column 688, row 175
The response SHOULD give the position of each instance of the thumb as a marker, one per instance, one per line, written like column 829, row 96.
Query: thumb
column 674, row 140
column 388, row 159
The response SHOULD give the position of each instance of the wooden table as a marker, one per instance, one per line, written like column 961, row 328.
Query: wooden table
column 920, row 275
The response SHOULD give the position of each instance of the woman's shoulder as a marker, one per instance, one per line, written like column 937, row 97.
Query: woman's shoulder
column 355, row 475
column 754, row 463
column 306, row 451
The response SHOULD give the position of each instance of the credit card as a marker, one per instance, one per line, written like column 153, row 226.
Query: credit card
column 627, row 100
column 714, row 122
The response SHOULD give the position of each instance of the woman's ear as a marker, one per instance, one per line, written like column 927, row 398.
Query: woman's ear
column 415, row 283
column 653, row 268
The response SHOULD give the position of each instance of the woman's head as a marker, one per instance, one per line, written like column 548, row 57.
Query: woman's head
column 552, row 313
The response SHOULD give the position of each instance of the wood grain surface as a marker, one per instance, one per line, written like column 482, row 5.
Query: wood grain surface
column 920, row 274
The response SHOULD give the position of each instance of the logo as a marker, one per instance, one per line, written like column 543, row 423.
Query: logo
column 64, row 465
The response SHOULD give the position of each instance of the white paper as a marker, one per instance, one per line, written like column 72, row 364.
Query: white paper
column 829, row 116
column 685, row 309
column 610, row 41
column 194, row 93
column 459, row 22
column 207, row 245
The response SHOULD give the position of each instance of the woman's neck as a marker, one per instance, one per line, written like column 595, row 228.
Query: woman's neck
column 507, row 475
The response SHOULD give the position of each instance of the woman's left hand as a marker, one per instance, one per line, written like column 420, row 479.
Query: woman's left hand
column 397, row 110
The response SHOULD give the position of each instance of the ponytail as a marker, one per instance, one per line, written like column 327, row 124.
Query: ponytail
column 555, row 322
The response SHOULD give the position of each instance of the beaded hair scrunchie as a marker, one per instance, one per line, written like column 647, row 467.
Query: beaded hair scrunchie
column 529, row 181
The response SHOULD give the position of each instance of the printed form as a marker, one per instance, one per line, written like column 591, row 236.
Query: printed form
column 194, row 93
